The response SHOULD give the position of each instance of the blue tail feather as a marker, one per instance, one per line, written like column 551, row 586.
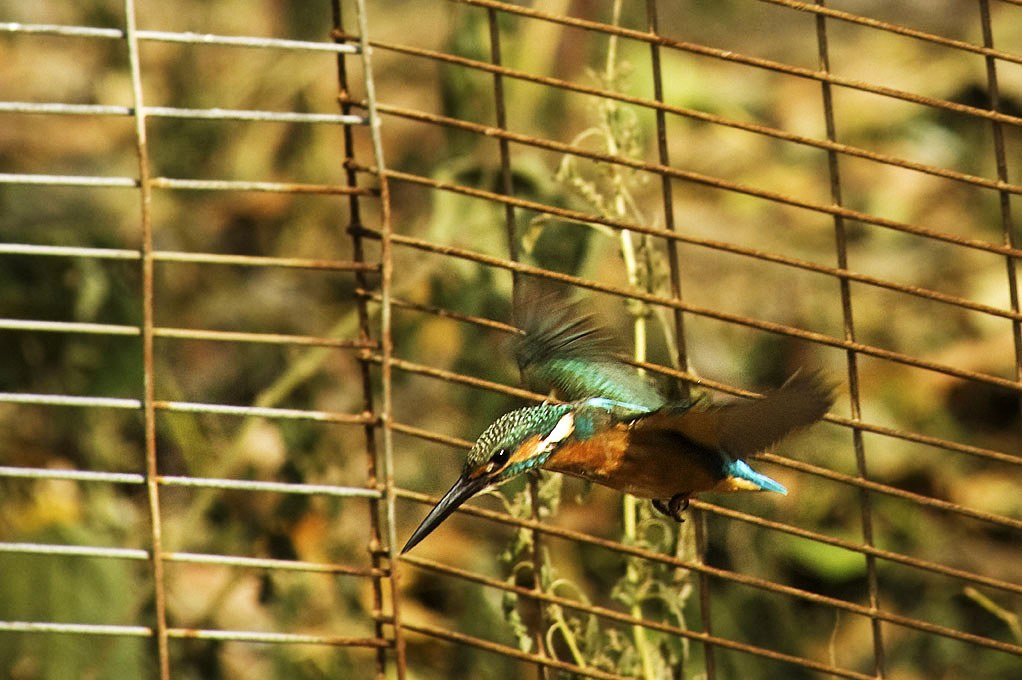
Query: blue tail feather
column 738, row 468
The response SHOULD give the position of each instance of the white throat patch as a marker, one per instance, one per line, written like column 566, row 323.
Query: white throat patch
column 564, row 427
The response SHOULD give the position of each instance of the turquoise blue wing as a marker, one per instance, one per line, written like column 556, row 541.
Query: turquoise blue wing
column 561, row 349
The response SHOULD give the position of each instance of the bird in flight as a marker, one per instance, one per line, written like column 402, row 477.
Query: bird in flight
column 615, row 427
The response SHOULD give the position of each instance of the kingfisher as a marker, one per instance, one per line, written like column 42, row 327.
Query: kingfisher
column 616, row 428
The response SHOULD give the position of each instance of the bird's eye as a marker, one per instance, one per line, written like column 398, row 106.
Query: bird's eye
column 499, row 458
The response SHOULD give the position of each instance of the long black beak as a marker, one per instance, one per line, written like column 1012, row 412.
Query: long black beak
column 462, row 490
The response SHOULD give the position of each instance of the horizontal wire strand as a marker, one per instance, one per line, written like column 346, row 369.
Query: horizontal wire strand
column 199, row 482
column 275, row 638
column 74, row 550
column 181, row 184
column 274, row 487
column 179, row 37
column 79, row 327
column 175, row 112
column 190, row 633
column 74, row 628
column 186, row 258
column 270, row 187
column 29, row 398
column 272, row 564
column 47, row 549
column 895, row 28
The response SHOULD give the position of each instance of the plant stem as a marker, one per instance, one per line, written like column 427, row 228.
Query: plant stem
column 532, row 490
column 1009, row 618
column 630, row 506
column 569, row 637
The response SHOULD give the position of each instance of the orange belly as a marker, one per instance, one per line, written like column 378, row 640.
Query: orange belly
column 647, row 469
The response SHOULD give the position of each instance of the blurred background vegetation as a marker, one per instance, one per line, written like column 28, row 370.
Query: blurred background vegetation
column 39, row 68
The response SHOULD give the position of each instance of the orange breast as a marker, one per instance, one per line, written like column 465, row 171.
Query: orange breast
column 641, row 466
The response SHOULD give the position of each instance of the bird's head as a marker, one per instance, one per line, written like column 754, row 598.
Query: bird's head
column 516, row 442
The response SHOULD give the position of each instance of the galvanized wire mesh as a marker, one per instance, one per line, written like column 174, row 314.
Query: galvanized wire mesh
column 432, row 148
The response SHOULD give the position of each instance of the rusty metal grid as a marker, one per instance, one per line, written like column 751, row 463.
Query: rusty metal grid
column 373, row 184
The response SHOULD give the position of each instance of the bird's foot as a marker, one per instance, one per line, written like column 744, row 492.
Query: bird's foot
column 661, row 507
column 674, row 507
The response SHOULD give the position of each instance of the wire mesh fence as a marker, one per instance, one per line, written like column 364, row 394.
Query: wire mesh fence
column 257, row 273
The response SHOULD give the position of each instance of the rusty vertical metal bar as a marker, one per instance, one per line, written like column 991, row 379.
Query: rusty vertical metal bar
column 841, row 244
column 1007, row 224
column 666, row 192
column 148, row 391
column 506, row 180
column 705, row 594
column 681, row 356
column 507, row 188
column 386, row 338
column 375, row 545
